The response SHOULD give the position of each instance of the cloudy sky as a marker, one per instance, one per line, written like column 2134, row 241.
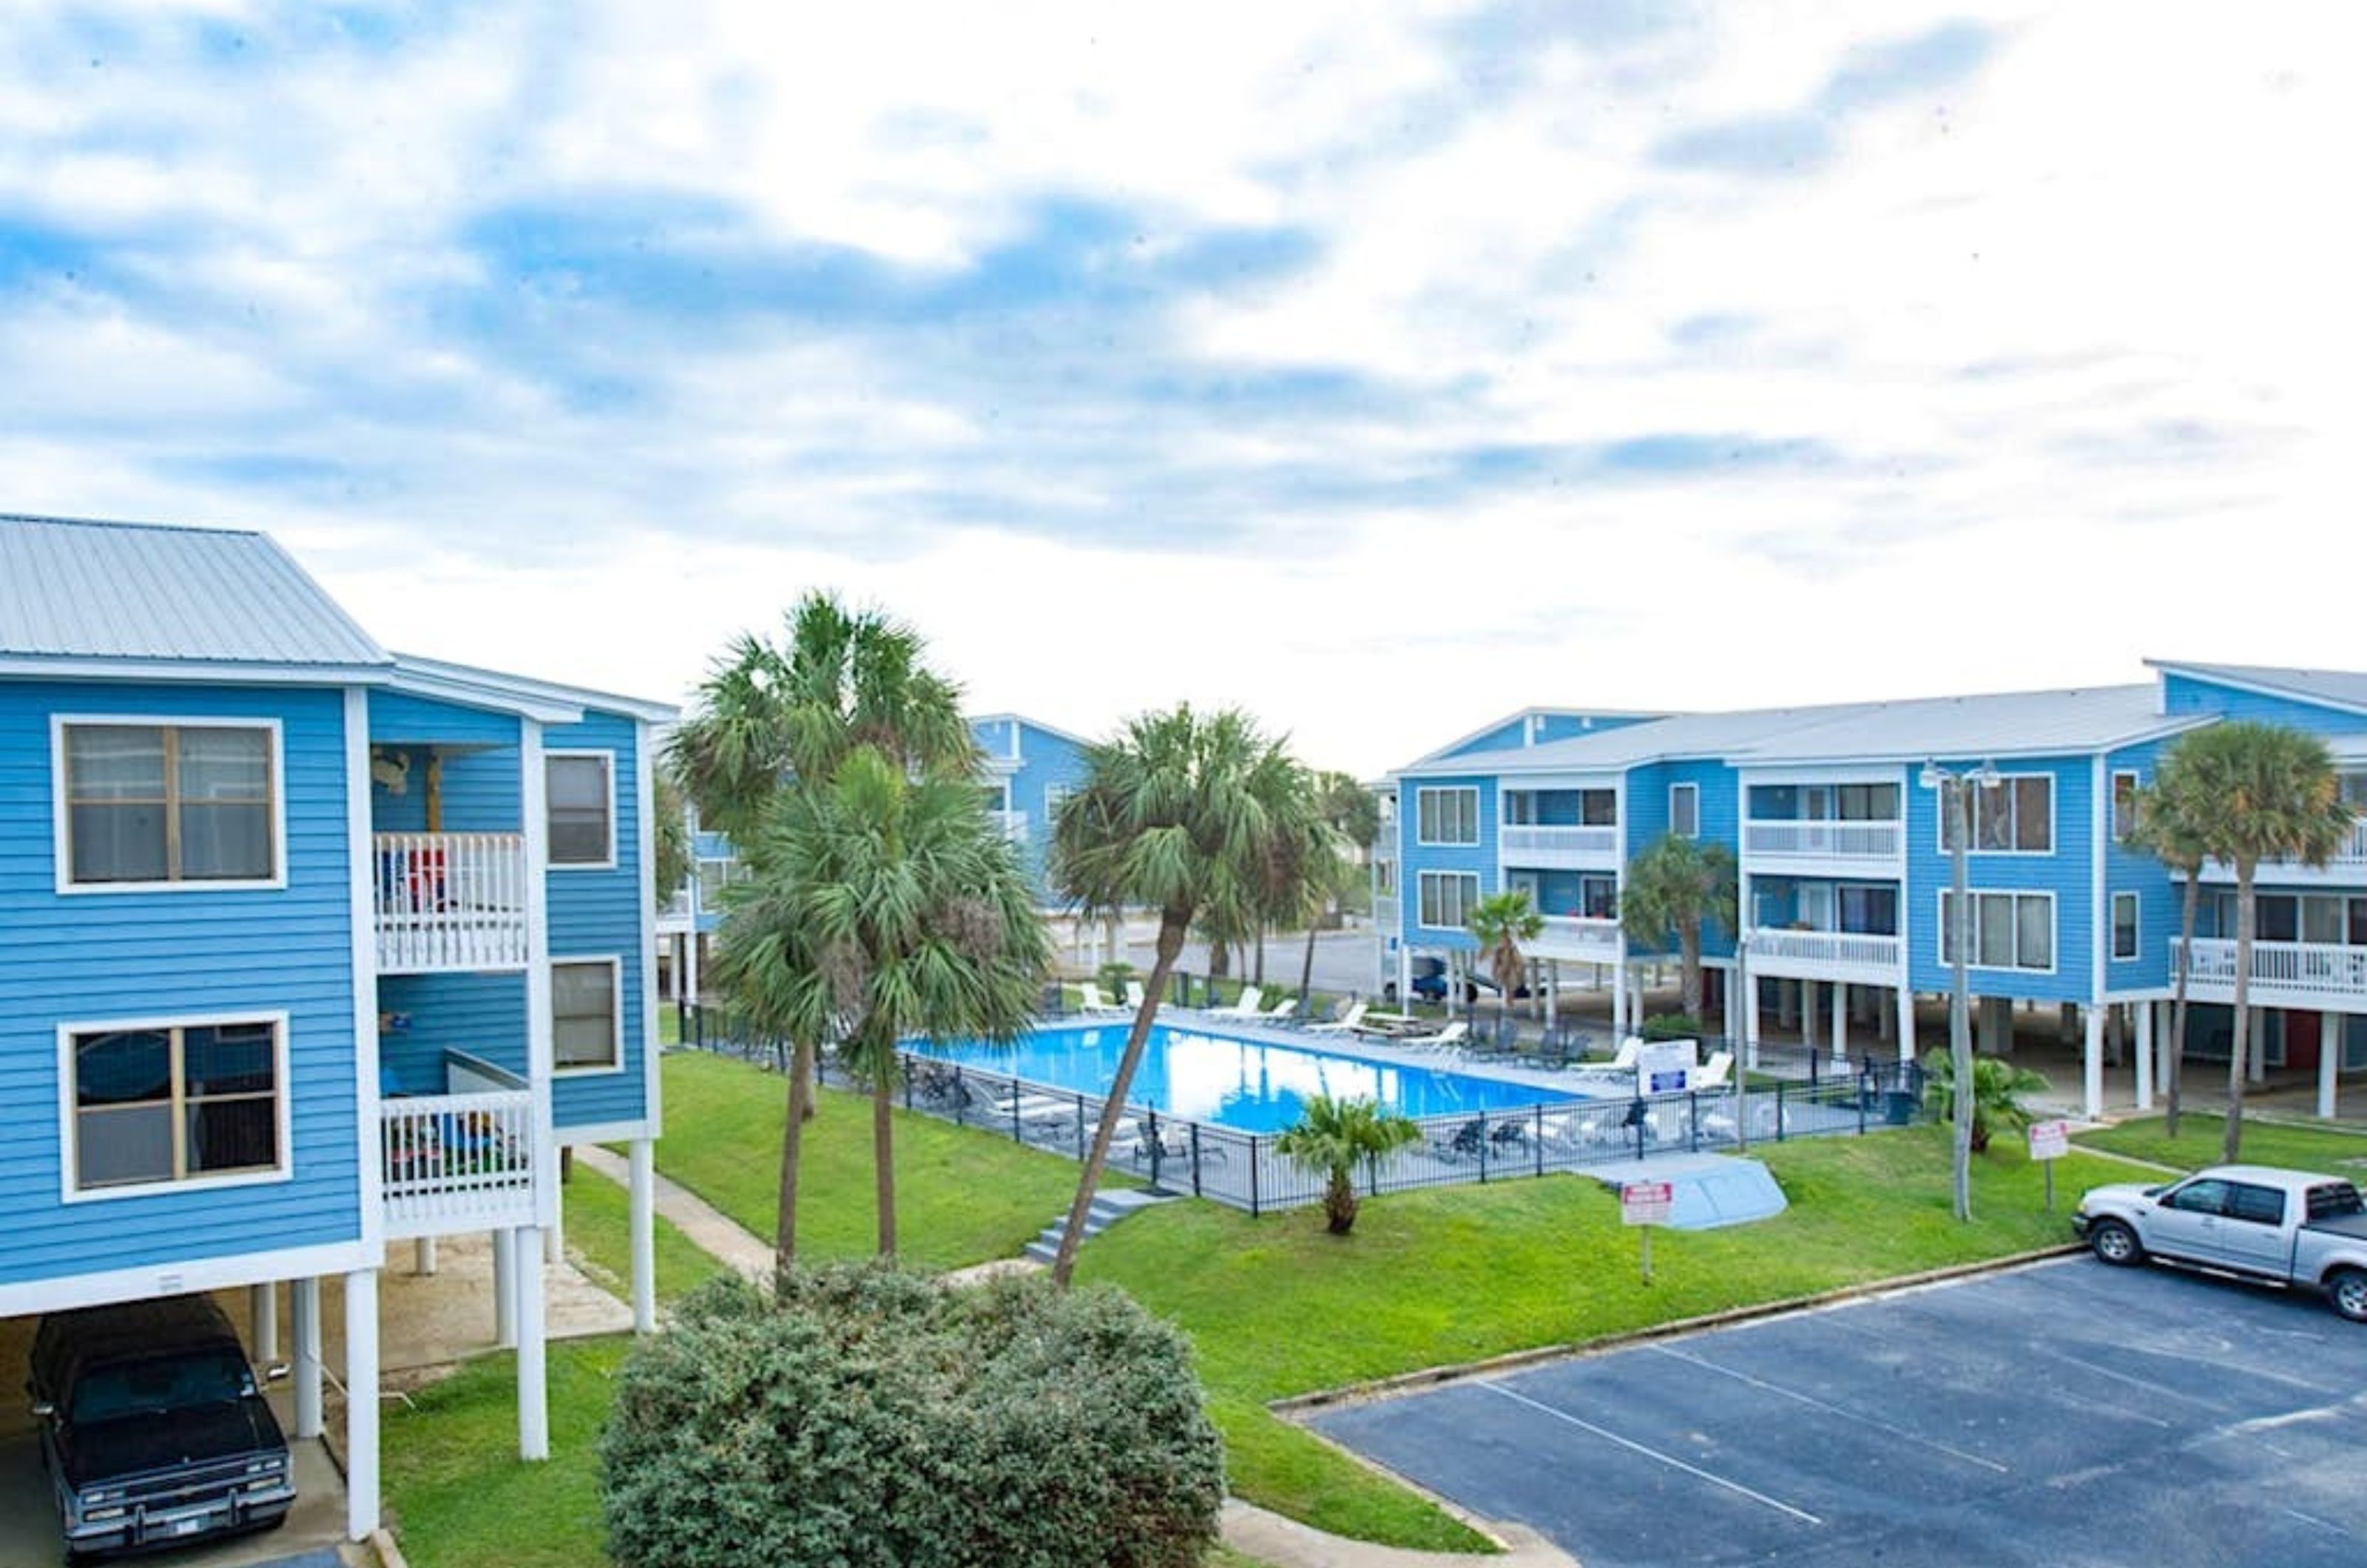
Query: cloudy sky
column 1379, row 366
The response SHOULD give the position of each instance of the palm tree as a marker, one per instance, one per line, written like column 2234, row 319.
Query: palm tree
column 1348, row 808
column 769, row 718
column 1335, row 1137
column 1181, row 813
column 891, row 906
column 670, row 814
column 2267, row 794
column 1997, row 1088
column 1671, row 891
column 1500, row 923
column 2172, row 820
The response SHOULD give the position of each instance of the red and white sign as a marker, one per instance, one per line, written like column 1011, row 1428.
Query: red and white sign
column 1647, row 1203
column 2050, row 1140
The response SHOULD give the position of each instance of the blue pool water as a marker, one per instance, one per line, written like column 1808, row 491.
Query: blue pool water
column 1256, row 1086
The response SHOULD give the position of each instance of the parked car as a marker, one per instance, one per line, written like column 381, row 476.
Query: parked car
column 2290, row 1226
column 1430, row 982
column 153, row 1429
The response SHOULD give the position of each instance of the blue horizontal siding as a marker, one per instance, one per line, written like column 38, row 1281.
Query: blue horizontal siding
column 600, row 914
column 94, row 957
column 2067, row 872
column 1414, row 859
column 2187, row 694
column 478, row 784
column 483, row 1015
column 1046, row 761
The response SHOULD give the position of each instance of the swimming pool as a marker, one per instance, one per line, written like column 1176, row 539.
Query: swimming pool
column 1254, row 1085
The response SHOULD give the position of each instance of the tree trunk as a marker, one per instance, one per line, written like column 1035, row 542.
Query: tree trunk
column 812, row 1071
column 2240, row 1058
column 1689, row 968
column 1340, row 1203
column 1172, row 928
column 2175, row 1044
column 793, row 1131
column 1307, row 970
column 1258, row 978
column 883, row 1148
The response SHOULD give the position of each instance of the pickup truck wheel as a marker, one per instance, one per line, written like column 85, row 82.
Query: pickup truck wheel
column 2115, row 1243
column 2348, row 1291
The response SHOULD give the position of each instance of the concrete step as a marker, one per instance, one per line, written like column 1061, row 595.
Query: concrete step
column 1107, row 1210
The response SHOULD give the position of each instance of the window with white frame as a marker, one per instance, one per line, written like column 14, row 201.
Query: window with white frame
column 160, row 804
column 2124, row 807
column 1684, row 810
column 1598, row 807
column 1446, row 815
column 2017, row 817
column 1447, row 898
column 1055, row 797
column 2011, row 930
column 581, row 808
column 1385, row 876
column 2124, row 925
column 157, row 1104
column 1598, row 898
column 583, row 1014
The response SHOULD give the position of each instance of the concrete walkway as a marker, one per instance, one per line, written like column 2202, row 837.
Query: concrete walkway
column 1248, row 1529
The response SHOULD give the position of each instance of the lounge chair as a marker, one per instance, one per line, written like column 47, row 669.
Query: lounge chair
column 1092, row 1000
column 1346, row 1023
column 1623, row 1064
column 1135, row 996
column 1468, row 1142
column 1250, row 1003
column 1281, row 1012
column 1445, row 1039
column 1715, row 1072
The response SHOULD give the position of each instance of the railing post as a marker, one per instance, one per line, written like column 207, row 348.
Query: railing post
column 1195, row 1159
column 1483, row 1150
column 1538, row 1134
column 1693, row 1123
column 961, row 1099
column 1016, row 1136
column 1779, row 1110
column 1253, row 1177
column 1150, row 1121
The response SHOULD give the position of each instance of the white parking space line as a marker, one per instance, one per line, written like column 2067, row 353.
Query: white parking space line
column 1815, row 1403
column 1654, row 1454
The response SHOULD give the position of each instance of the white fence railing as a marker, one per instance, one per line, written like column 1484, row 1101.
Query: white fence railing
column 1841, row 949
column 1514, row 842
column 458, row 1162
column 450, row 901
column 1822, row 839
column 2299, row 972
column 1567, row 936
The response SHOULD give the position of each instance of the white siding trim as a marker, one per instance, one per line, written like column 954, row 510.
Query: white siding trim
column 361, row 861
column 61, row 828
column 2100, row 932
column 284, row 1091
column 605, row 1133
column 533, row 810
column 608, row 764
column 644, row 785
column 173, row 1279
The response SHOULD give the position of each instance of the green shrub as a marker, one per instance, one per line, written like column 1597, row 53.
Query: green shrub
column 861, row 1418
column 1673, row 1026
column 1112, row 977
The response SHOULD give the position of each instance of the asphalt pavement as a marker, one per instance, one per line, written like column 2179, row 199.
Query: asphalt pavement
column 2062, row 1414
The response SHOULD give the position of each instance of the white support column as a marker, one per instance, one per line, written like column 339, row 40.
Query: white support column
column 423, row 1255
column 2329, row 1061
column 554, row 1243
column 504, row 1289
column 1619, row 1002
column 263, row 1322
column 533, row 1389
column 2144, row 1011
column 686, row 983
column 2091, row 1080
column 1906, row 1024
column 1405, row 976
column 304, row 1326
column 642, row 1210
column 361, row 1403
column 1840, row 1023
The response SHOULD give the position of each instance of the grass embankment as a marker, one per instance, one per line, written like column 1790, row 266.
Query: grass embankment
column 599, row 1231
column 2265, row 1143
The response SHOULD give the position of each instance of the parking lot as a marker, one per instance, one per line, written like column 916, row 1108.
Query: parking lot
column 2065, row 1414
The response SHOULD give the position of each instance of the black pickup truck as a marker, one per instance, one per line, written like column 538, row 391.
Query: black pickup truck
column 154, row 1431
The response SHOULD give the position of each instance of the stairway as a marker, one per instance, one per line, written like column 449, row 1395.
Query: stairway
column 1107, row 1210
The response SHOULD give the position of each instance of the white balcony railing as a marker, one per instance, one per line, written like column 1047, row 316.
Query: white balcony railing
column 1013, row 825
column 458, row 1162
column 2347, row 864
column 1577, row 936
column 2301, row 974
column 450, row 901
column 1840, row 950
column 1530, row 840
column 1803, row 840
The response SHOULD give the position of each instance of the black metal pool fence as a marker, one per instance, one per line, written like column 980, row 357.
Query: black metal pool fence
column 1243, row 1169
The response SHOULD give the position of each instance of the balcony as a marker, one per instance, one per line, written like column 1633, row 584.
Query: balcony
column 1843, row 845
column 1827, row 955
column 1591, row 847
column 2284, row 974
column 459, row 1161
column 2348, row 866
column 1578, row 939
column 450, row 901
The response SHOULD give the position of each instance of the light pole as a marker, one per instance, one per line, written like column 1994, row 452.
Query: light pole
column 1738, row 1025
column 1956, row 801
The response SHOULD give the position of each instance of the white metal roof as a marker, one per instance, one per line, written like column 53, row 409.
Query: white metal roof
column 2011, row 724
column 1445, row 752
column 148, row 595
column 2342, row 688
column 545, row 700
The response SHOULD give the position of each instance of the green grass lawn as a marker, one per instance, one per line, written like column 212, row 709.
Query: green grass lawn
column 962, row 1196
column 1277, row 1308
column 2265, row 1143
column 597, row 1232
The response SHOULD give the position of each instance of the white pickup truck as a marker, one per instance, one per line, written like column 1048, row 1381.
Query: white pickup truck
column 2287, row 1225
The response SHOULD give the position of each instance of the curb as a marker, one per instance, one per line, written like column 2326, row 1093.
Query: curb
column 388, row 1554
column 1429, row 1377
